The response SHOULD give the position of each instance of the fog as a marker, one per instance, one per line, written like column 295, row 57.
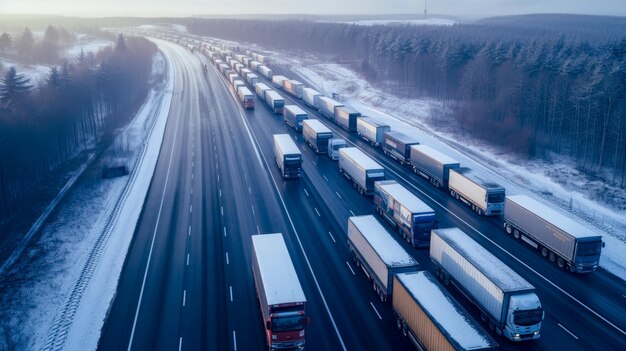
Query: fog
column 148, row 8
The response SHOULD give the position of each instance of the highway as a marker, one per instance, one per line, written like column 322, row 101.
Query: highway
column 187, row 281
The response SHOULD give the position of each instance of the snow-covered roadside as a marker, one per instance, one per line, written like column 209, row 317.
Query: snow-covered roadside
column 518, row 176
column 43, row 284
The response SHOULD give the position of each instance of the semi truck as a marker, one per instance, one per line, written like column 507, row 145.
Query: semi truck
column 252, row 79
column 278, row 80
column 260, row 89
column 316, row 135
column 432, row 164
column 346, row 118
column 327, row 106
column 265, row 71
column 334, row 144
column 311, row 97
column 287, row 155
column 294, row 116
column 360, row 169
column 238, row 83
column 371, row 130
column 281, row 298
column 374, row 250
column 412, row 218
column 254, row 65
column 558, row 237
column 246, row 97
column 432, row 319
column 293, row 87
column 483, row 196
column 275, row 101
column 398, row 146
column 507, row 301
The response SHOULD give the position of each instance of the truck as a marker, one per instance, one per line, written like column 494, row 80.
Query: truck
column 275, row 101
column 254, row 65
column 265, row 71
column 334, row 144
column 287, row 155
column 231, row 77
column 316, row 135
column 293, row 87
column 280, row 295
column 411, row 217
column 244, row 73
column 223, row 67
column 558, row 237
column 278, row 80
column 371, row 130
column 507, row 301
column 360, row 169
column 260, row 89
column 432, row 319
column 373, row 249
column 483, row 196
column 311, row 97
column 294, row 116
column 252, row 79
column 327, row 106
column 346, row 117
column 432, row 165
column 246, row 98
column 398, row 146
column 238, row 83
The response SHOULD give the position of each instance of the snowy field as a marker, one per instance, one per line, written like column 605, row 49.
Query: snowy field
column 43, row 305
column 87, row 44
column 532, row 177
column 418, row 22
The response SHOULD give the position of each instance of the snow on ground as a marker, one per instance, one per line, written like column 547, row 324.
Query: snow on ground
column 419, row 22
column 87, row 44
column 415, row 116
column 39, row 283
column 36, row 73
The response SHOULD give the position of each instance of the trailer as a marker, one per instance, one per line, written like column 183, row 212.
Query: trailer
column 374, row 250
column 327, row 106
column 346, row 118
column 398, row 146
column 260, row 89
column 506, row 301
column 371, row 130
column 275, row 101
column 311, row 97
column 432, row 165
column 294, row 116
column 265, row 71
column 238, row 83
column 360, row 169
column 246, row 98
column 280, row 295
column 252, row 79
column 412, row 218
column 316, row 135
column 558, row 237
column 432, row 319
column 483, row 196
column 254, row 65
column 278, row 80
column 293, row 87
column 287, row 156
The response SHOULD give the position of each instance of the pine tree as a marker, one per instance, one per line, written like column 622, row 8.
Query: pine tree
column 13, row 85
column 6, row 43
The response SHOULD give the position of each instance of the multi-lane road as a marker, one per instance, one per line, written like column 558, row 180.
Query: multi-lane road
column 187, row 281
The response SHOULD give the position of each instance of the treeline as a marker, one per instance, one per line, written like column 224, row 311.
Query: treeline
column 531, row 89
column 26, row 48
column 80, row 103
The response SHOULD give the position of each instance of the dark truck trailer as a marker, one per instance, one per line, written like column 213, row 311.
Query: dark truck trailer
column 294, row 116
column 346, row 118
column 432, row 164
column 558, row 237
column 287, row 155
column 398, row 146
column 316, row 135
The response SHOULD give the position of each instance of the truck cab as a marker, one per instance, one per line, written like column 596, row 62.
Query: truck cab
column 524, row 317
column 334, row 144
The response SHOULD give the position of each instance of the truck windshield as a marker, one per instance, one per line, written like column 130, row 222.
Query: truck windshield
column 288, row 323
column 424, row 226
column 591, row 248
column 495, row 198
column 528, row 317
column 292, row 160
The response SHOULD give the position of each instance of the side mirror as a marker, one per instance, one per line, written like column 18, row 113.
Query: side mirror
column 268, row 325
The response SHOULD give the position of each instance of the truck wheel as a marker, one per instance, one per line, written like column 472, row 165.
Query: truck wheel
column 382, row 296
column 374, row 286
column 516, row 234
column 552, row 256
column 399, row 323
column 483, row 317
column 446, row 279
column 491, row 325
column 361, row 191
column 479, row 211
column 473, row 207
column 452, row 193
column 560, row 262
column 508, row 229
column 544, row 252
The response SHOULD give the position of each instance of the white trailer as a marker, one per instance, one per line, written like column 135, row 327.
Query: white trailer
column 505, row 299
column 254, row 65
column 558, row 237
column 293, row 116
column 293, row 87
column 360, row 169
column 275, row 101
column 483, row 196
column 373, row 249
column 316, row 135
column 252, row 79
column 260, row 89
column 432, row 164
column 265, row 71
column 327, row 106
column 278, row 80
column 432, row 319
column 287, row 155
column 371, row 130
column 311, row 97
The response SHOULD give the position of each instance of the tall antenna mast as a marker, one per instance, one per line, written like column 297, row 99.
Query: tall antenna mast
column 425, row 8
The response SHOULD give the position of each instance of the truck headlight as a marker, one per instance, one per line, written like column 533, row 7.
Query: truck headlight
column 301, row 333
column 537, row 332
column 274, row 337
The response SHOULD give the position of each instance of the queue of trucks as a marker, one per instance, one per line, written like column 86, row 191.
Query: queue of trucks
column 425, row 311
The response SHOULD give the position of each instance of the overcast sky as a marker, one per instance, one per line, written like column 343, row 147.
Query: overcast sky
column 194, row 7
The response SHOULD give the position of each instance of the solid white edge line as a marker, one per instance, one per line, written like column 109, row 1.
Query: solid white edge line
column 569, row 332
column 375, row 310
column 145, row 274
